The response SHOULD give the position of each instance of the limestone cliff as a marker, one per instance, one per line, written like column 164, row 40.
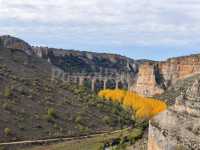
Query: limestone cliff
column 15, row 43
column 77, row 61
column 179, row 126
column 74, row 60
column 147, row 82
column 154, row 78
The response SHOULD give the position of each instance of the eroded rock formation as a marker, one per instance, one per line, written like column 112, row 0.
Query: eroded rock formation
column 154, row 78
column 147, row 82
column 179, row 126
column 15, row 43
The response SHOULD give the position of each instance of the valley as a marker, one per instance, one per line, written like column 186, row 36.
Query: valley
column 97, row 97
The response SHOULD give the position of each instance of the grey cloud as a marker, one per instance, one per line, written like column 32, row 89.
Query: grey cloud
column 117, row 21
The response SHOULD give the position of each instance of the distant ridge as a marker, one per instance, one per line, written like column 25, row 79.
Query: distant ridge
column 8, row 41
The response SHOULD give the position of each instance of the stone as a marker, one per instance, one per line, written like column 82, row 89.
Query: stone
column 146, row 83
column 15, row 43
column 180, row 124
column 155, row 77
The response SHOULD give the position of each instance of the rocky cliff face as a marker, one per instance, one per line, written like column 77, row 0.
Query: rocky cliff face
column 154, row 78
column 147, row 82
column 74, row 60
column 77, row 61
column 179, row 126
column 15, row 43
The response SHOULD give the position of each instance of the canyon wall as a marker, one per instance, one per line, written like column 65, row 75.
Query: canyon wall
column 179, row 126
column 148, row 77
column 15, row 43
column 146, row 81
column 154, row 78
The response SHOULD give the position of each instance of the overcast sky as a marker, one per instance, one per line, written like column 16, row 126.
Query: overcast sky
column 152, row 29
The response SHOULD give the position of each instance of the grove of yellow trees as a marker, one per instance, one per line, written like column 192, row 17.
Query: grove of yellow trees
column 144, row 108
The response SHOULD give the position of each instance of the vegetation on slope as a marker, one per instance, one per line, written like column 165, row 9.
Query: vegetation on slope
column 119, row 140
column 34, row 107
column 144, row 108
column 179, row 87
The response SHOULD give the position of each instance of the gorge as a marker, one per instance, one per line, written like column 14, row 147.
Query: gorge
column 178, row 78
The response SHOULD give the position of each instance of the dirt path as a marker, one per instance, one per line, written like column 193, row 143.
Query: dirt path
column 61, row 139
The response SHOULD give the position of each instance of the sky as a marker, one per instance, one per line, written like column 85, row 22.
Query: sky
column 141, row 29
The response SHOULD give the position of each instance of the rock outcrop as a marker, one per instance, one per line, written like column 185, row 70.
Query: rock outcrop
column 74, row 60
column 179, row 126
column 154, row 78
column 147, row 82
column 15, row 43
column 77, row 61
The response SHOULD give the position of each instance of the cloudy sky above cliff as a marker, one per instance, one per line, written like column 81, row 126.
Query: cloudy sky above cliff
column 152, row 29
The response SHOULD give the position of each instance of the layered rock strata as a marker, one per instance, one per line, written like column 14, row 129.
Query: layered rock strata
column 146, row 82
column 15, row 43
column 154, row 78
column 179, row 126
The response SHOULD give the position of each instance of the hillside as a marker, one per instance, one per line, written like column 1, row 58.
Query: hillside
column 34, row 107
column 74, row 60
column 179, row 87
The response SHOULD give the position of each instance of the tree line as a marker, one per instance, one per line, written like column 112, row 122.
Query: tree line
column 142, row 107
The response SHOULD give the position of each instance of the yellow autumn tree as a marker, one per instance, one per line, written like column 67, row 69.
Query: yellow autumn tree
column 144, row 108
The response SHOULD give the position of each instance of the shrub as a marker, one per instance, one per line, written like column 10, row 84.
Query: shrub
column 56, row 126
column 7, row 92
column 51, row 112
column 135, row 134
column 78, row 119
column 107, row 120
column 82, row 129
column 122, row 146
column 7, row 131
column 6, row 106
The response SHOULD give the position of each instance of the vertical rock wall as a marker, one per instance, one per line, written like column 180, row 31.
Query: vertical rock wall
column 154, row 78
column 146, row 82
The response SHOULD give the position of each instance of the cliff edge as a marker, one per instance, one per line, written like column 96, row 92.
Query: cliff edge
column 179, row 126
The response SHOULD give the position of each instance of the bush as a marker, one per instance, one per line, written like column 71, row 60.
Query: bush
column 107, row 120
column 6, row 106
column 78, row 119
column 51, row 112
column 82, row 129
column 135, row 134
column 7, row 92
column 7, row 131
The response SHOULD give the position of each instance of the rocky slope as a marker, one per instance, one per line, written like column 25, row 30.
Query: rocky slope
column 177, row 88
column 179, row 126
column 34, row 107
